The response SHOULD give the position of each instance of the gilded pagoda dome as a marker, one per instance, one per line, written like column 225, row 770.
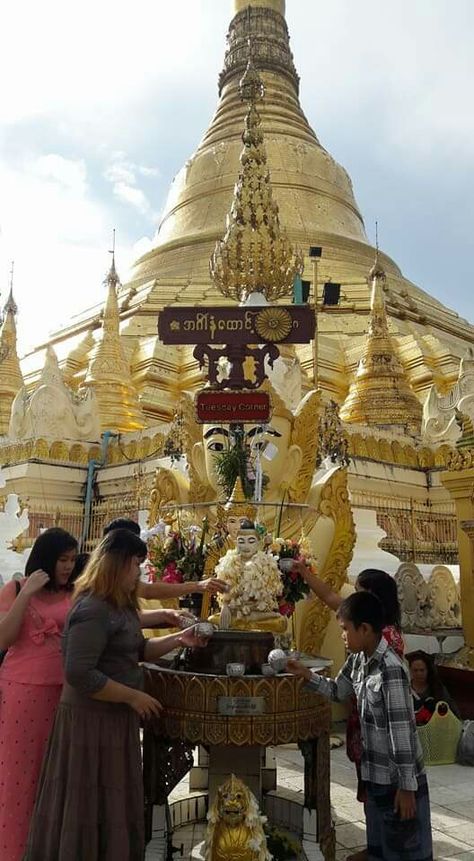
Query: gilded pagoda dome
column 316, row 206
column 314, row 193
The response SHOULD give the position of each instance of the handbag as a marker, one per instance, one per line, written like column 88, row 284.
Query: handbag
column 440, row 736
column 3, row 652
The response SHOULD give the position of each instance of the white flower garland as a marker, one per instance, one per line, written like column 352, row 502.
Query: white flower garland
column 254, row 585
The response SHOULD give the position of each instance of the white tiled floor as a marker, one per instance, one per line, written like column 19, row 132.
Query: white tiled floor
column 452, row 807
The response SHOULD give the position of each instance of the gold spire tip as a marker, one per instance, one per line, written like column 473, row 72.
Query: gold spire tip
column 10, row 305
column 276, row 5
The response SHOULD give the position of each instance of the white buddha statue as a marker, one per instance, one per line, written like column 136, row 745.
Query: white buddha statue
column 254, row 584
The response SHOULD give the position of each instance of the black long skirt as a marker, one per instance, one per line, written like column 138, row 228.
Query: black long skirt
column 89, row 804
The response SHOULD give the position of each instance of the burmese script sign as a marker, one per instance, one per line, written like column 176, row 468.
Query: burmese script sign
column 291, row 324
column 227, row 407
column 234, row 706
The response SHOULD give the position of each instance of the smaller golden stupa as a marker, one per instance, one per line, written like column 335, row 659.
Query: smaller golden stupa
column 11, row 379
column 108, row 374
column 381, row 394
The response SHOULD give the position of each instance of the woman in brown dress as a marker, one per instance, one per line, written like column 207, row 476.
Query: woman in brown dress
column 89, row 803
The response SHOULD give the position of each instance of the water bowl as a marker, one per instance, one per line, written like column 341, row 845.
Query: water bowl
column 267, row 670
column 235, row 669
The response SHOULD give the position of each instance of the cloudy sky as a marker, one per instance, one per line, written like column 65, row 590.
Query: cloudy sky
column 103, row 101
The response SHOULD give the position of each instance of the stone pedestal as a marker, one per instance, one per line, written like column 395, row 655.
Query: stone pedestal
column 234, row 722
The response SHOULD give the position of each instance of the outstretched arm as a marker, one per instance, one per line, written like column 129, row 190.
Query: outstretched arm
column 320, row 588
column 165, row 618
column 161, row 590
column 338, row 689
column 156, row 647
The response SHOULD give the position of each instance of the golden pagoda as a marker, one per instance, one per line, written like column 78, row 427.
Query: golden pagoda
column 316, row 206
column 11, row 379
column 380, row 394
column 108, row 373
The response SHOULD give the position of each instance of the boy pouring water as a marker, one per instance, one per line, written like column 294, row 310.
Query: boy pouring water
column 397, row 808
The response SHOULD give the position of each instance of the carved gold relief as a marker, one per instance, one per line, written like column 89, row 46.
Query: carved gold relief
column 460, row 459
column 334, row 504
column 191, row 708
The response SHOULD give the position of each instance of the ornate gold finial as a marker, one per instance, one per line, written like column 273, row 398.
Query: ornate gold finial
column 108, row 374
column 237, row 504
column 255, row 255
column 381, row 393
column 10, row 304
column 11, row 379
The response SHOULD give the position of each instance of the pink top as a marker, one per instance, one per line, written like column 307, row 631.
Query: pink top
column 35, row 657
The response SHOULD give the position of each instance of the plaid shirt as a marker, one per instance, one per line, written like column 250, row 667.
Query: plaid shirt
column 391, row 749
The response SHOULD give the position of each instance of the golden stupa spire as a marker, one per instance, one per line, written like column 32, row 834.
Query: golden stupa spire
column 276, row 5
column 108, row 374
column 11, row 379
column 381, row 393
column 255, row 255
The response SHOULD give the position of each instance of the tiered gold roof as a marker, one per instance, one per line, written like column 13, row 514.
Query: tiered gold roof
column 108, row 374
column 11, row 379
column 380, row 393
column 316, row 207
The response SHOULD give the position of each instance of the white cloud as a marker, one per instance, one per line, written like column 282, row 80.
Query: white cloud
column 93, row 59
column 398, row 74
column 58, row 236
column 122, row 174
column 130, row 194
column 69, row 173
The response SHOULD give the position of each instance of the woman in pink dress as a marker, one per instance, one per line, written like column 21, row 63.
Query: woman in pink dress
column 31, row 678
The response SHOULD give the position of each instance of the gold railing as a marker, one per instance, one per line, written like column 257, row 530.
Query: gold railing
column 417, row 531
column 103, row 511
column 72, row 518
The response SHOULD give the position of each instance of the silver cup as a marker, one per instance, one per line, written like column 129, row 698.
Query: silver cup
column 235, row 669
column 267, row 670
column 204, row 629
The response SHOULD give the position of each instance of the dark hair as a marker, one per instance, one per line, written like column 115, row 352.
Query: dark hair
column 102, row 575
column 122, row 523
column 245, row 523
column 362, row 607
column 382, row 584
column 79, row 565
column 433, row 683
column 46, row 550
column 124, row 542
